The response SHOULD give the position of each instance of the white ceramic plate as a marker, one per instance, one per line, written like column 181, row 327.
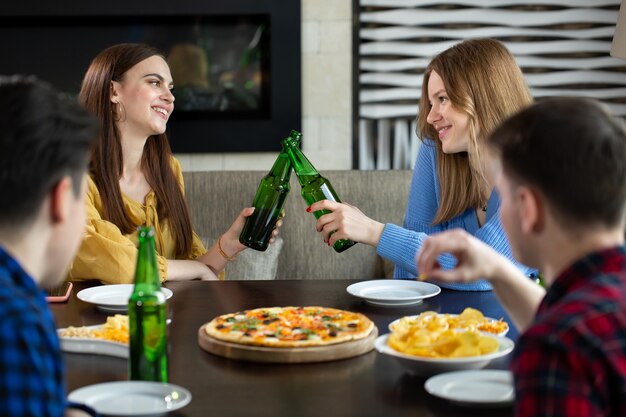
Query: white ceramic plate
column 112, row 298
column 475, row 387
column 393, row 292
column 92, row 346
column 433, row 366
column 132, row 398
column 489, row 319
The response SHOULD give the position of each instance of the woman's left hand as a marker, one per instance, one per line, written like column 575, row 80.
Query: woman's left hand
column 230, row 239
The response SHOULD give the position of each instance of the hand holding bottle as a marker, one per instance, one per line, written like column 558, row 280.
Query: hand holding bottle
column 261, row 227
column 346, row 222
column 230, row 239
column 314, row 186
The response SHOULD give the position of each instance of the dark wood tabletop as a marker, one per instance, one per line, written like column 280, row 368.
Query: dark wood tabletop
column 367, row 385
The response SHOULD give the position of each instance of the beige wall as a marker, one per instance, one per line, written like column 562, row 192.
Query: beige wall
column 326, row 95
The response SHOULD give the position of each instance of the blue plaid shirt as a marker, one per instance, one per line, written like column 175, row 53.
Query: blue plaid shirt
column 31, row 364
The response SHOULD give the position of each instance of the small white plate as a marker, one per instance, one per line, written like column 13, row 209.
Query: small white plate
column 476, row 387
column 112, row 298
column 92, row 346
column 424, row 366
column 132, row 398
column 489, row 319
column 393, row 292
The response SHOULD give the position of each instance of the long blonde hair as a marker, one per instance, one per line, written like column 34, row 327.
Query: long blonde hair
column 483, row 81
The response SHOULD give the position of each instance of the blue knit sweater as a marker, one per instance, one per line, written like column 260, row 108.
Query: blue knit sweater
column 401, row 244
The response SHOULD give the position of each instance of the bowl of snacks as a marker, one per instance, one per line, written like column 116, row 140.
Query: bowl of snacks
column 110, row 338
column 469, row 319
column 430, row 345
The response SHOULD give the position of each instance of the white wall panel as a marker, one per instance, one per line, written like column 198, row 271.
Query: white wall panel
column 561, row 45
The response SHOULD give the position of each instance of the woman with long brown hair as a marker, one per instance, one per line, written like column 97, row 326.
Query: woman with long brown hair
column 468, row 90
column 135, row 180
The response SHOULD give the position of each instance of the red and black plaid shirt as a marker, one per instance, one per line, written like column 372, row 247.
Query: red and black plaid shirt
column 572, row 360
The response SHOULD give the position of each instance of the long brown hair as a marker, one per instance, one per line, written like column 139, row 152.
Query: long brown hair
column 483, row 81
column 106, row 161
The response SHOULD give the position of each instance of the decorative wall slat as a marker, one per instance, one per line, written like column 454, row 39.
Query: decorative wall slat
column 562, row 46
column 522, row 48
column 380, row 65
column 395, row 33
column 486, row 3
column 489, row 16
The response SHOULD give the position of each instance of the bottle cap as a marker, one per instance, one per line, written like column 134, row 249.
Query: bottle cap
column 293, row 139
column 145, row 231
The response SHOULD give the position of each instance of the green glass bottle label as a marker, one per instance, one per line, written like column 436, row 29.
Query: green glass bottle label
column 147, row 316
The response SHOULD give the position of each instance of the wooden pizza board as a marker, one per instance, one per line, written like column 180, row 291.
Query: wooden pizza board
column 286, row 355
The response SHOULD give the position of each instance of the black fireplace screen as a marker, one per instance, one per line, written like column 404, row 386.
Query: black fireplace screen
column 236, row 72
column 219, row 66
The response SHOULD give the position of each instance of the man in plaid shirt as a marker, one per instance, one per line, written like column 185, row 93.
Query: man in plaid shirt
column 560, row 169
column 44, row 145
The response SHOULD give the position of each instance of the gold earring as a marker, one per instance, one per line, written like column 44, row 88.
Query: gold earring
column 118, row 111
column 122, row 112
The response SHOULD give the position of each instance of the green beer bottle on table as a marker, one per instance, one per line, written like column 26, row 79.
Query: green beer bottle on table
column 268, row 203
column 147, row 315
column 314, row 186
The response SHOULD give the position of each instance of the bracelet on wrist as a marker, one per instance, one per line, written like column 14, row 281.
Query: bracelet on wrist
column 221, row 251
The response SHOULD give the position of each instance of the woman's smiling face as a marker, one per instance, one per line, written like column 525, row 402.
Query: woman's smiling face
column 451, row 125
column 146, row 98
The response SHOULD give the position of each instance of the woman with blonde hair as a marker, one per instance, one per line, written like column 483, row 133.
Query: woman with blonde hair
column 134, row 178
column 468, row 90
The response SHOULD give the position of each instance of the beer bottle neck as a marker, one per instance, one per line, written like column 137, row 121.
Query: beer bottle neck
column 282, row 167
column 305, row 171
column 146, row 272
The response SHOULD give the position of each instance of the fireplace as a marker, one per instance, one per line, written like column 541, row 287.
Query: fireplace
column 235, row 64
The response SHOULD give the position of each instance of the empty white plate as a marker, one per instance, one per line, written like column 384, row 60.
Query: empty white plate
column 132, row 398
column 112, row 298
column 476, row 387
column 393, row 292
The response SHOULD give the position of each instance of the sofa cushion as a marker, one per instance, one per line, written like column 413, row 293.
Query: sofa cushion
column 216, row 197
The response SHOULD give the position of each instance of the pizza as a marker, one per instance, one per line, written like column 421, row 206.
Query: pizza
column 288, row 327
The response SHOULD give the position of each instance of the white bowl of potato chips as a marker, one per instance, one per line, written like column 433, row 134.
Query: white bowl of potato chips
column 431, row 343
column 428, row 365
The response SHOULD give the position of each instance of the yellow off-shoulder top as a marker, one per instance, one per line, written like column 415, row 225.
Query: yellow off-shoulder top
column 108, row 255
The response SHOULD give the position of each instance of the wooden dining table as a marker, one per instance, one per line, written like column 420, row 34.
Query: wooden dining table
column 371, row 384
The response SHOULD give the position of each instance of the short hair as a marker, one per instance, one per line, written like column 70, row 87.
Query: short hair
column 44, row 136
column 574, row 152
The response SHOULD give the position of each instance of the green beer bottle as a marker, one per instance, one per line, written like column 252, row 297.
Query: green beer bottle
column 147, row 315
column 268, row 202
column 314, row 186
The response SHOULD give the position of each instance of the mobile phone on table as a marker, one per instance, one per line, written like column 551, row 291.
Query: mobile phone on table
column 60, row 293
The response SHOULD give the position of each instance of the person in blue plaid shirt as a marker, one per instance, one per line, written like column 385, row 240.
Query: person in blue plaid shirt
column 560, row 170
column 45, row 140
